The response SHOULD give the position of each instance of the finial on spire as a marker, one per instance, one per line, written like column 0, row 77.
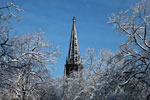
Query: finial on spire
column 74, row 19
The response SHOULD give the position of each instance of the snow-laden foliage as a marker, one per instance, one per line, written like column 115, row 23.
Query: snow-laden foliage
column 124, row 75
column 96, row 79
column 23, row 62
column 135, row 23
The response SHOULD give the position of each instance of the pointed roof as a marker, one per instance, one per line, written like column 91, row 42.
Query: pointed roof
column 74, row 52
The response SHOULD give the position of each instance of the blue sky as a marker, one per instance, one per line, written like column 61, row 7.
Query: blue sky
column 54, row 17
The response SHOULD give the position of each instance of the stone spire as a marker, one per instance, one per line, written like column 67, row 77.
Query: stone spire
column 74, row 52
column 73, row 62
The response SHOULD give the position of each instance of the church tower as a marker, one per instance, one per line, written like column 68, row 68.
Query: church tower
column 73, row 61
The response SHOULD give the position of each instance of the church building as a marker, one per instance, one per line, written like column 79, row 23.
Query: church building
column 73, row 61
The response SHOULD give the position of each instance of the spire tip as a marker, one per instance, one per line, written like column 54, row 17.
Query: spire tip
column 74, row 19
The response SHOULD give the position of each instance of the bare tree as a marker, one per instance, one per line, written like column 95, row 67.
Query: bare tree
column 135, row 23
column 24, row 60
column 6, row 15
column 32, row 55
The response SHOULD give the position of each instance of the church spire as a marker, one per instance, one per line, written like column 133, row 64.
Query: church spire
column 74, row 52
column 73, row 62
